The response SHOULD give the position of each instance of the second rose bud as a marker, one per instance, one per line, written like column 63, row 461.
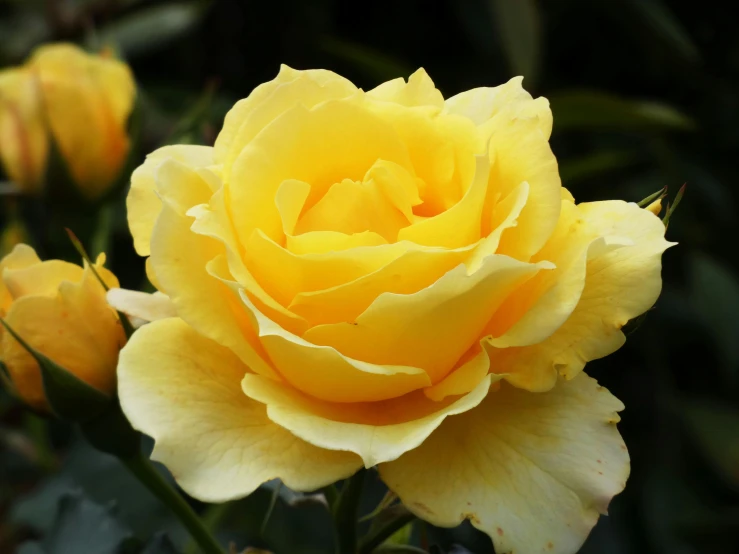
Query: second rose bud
column 78, row 101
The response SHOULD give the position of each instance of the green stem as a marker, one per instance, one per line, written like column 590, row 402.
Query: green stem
column 376, row 537
column 332, row 495
column 345, row 510
column 145, row 472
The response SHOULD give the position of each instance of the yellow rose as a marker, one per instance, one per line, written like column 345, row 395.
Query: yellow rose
column 82, row 100
column 59, row 309
column 388, row 279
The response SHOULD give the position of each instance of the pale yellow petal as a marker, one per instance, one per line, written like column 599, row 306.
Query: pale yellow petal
column 142, row 201
column 533, row 471
column 482, row 104
column 184, row 391
column 418, row 91
column 142, row 305
column 376, row 431
column 620, row 283
column 417, row 330
column 180, row 259
column 522, row 153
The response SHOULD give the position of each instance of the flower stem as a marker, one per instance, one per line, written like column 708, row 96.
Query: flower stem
column 145, row 472
column 345, row 511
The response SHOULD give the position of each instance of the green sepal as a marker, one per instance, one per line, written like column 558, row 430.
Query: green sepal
column 659, row 195
column 69, row 397
column 673, row 206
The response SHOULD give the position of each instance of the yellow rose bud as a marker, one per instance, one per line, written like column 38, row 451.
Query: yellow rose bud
column 393, row 279
column 655, row 207
column 81, row 100
column 60, row 310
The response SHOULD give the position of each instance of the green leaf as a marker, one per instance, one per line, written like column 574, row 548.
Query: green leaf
column 151, row 28
column 69, row 397
column 161, row 544
column 715, row 428
column 517, row 23
column 594, row 165
column 661, row 193
column 664, row 26
column 103, row 479
column 582, row 109
column 714, row 291
column 83, row 527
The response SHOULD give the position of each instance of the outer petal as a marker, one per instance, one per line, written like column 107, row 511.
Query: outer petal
column 23, row 133
column 268, row 101
column 87, row 100
column 142, row 201
column 620, row 284
column 183, row 390
column 141, row 305
column 20, row 257
column 533, row 471
column 418, row 91
column 179, row 258
column 522, row 153
column 376, row 431
column 78, row 330
column 482, row 104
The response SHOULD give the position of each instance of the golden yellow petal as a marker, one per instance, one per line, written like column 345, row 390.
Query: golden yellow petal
column 74, row 327
column 326, row 374
column 23, row 132
column 417, row 330
column 418, row 91
column 269, row 100
column 321, row 146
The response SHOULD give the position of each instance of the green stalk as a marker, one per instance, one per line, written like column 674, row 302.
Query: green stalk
column 345, row 511
column 145, row 472
column 400, row 518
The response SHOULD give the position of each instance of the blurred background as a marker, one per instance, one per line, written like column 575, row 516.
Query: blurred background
column 645, row 94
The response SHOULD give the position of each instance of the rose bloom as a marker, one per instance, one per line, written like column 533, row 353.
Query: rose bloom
column 388, row 279
column 82, row 101
column 59, row 309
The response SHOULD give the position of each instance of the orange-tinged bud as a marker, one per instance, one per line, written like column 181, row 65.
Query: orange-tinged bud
column 60, row 310
column 81, row 101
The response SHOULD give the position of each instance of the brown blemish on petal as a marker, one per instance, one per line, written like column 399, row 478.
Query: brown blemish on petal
column 550, row 545
column 421, row 506
column 500, row 531
column 599, row 461
column 472, row 517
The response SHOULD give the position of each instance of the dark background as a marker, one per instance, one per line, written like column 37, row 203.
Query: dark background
column 645, row 94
